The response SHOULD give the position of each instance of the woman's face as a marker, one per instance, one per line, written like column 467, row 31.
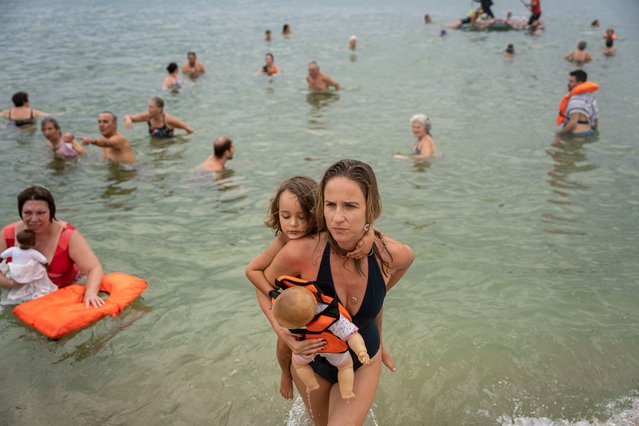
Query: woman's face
column 36, row 215
column 51, row 133
column 344, row 211
column 418, row 129
column 153, row 109
column 268, row 59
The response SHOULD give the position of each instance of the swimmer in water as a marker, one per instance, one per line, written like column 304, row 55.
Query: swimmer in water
column 172, row 81
column 270, row 68
column 319, row 81
column 509, row 52
column 579, row 55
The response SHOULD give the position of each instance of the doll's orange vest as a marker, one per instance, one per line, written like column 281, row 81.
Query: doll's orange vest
column 318, row 327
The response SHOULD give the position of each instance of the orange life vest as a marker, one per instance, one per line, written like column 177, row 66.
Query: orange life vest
column 63, row 311
column 581, row 88
column 318, row 327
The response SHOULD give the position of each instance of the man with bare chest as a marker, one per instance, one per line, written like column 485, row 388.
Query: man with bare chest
column 319, row 81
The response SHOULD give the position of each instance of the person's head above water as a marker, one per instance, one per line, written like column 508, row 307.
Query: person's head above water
column 172, row 67
column 423, row 120
column 222, row 146
column 20, row 99
column 510, row 49
column 582, row 45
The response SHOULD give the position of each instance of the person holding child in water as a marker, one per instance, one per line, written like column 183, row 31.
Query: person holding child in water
column 270, row 68
column 348, row 203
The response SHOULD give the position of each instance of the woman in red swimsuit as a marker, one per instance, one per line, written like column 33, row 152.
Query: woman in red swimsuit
column 64, row 247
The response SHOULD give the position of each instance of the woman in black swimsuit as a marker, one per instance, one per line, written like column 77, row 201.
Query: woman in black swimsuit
column 160, row 124
column 348, row 203
column 22, row 115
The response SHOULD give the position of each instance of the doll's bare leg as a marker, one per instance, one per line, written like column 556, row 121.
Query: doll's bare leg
column 307, row 375
column 345, row 378
column 283, row 353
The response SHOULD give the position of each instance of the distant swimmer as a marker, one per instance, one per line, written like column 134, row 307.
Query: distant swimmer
column 428, row 19
column 580, row 55
column 223, row 150
column 352, row 42
column 22, row 115
column 115, row 147
column 270, row 68
column 578, row 110
column 509, row 52
column 193, row 68
column 161, row 125
column 610, row 38
column 535, row 11
column 267, row 35
column 609, row 50
column 172, row 81
column 424, row 147
column 595, row 23
column 286, row 31
column 319, row 81
column 63, row 146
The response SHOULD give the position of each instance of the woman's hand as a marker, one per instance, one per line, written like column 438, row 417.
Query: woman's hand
column 128, row 123
column 305, row 348
column 92, row 298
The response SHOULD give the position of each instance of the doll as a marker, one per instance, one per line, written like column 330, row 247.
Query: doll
column 306, row 311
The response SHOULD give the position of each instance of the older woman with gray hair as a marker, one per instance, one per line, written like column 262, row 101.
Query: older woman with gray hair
column 424, row 147
column 160, row 124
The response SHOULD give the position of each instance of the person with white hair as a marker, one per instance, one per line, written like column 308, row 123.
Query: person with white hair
column 352, row 42
column 424, row 147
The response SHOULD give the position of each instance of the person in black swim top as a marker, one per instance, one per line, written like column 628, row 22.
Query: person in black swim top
column 161, row 125
column 22, row 115
column 348, row 203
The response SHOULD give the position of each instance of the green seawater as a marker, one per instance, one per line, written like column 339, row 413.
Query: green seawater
column 522, row 304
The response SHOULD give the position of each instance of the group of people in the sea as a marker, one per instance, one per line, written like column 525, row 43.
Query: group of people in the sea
column 324, row 234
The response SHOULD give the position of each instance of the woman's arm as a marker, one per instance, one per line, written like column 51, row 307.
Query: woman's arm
column 38, row 113
column 177, row 123
column 135, row 118
column 400, row 259
column 81, row 253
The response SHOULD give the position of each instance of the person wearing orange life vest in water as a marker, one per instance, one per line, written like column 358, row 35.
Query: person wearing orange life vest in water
column 578, row 110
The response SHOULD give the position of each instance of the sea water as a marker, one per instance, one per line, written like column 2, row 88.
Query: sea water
column 521, row 305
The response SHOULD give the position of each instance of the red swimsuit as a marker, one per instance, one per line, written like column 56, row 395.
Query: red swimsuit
column 62, row 269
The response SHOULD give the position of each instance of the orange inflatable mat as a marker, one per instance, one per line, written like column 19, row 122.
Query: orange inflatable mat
column 63, row 311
